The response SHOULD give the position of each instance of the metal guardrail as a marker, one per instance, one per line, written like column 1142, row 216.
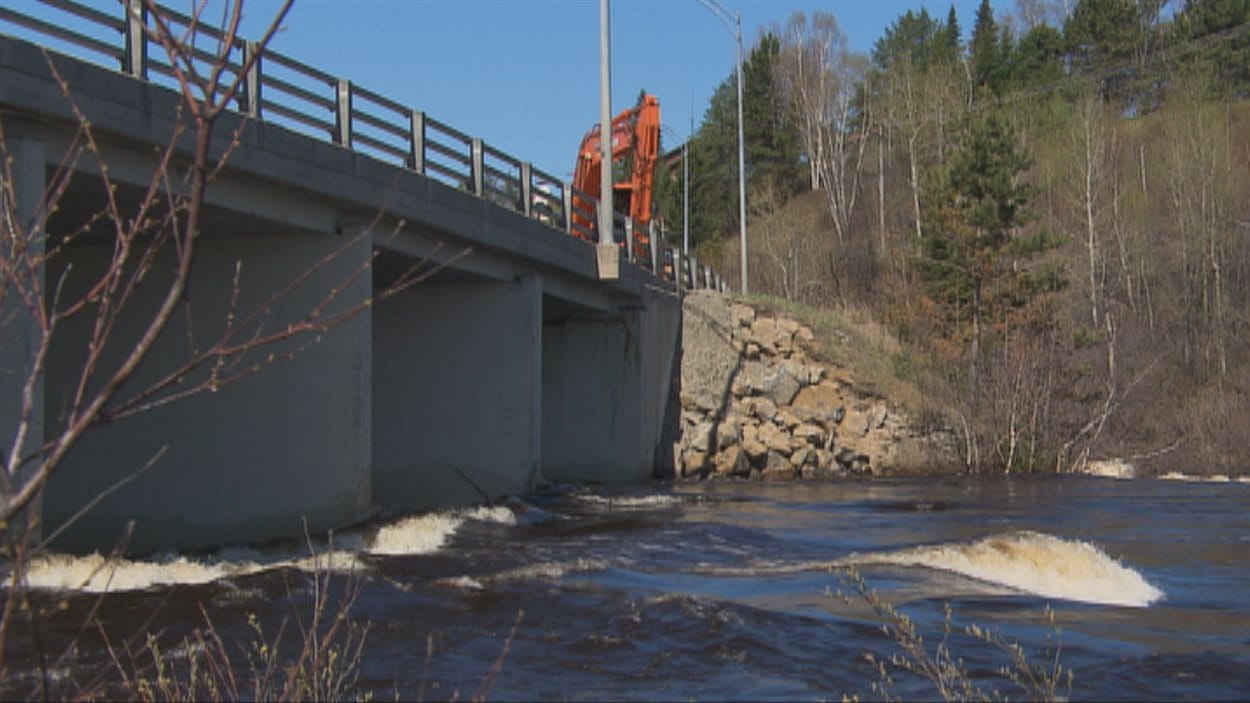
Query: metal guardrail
column 281, row 90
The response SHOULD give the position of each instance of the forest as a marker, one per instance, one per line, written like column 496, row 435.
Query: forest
column 1051, row 217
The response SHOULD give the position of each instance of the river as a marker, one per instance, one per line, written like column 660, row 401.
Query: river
column 738, row 590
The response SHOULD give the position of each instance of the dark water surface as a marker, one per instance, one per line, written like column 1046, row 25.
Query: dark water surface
column 723, row 591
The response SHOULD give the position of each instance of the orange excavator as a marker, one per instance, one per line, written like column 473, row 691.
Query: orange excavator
column 635, row 148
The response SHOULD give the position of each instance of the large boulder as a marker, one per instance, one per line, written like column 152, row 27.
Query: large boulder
column 777, row 468
column 760, row 379
column 733, row 462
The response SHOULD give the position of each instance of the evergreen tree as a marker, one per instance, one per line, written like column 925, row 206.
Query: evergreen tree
column 950, row 47
column 972, row 258
column 1102, row 37
column 985, row 56
column 1219, row 28
column 916, row 39
column 1038, row 58
column 772, row 144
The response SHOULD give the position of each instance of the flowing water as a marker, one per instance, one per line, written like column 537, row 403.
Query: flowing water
column 720, row 591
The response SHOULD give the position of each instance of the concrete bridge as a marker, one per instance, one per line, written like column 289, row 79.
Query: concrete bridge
column 516, row 360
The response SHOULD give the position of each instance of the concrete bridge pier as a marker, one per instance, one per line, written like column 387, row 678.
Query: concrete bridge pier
column 606, row 391
column 457, row 392
column 254, row 459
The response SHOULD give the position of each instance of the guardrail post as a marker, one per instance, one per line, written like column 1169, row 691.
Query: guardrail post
column 678, row 262
column 135, row 62
column 629, row 239
column 566, row 207
column 477, row 165
column 343, row 113
column 249, row 101
column 694, row 266
column 416, row 141
column 653, row 241
column 527, row 189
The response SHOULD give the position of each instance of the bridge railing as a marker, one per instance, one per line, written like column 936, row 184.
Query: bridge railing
column 284, row 91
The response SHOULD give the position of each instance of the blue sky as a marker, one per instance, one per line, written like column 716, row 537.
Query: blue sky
column 523, row 74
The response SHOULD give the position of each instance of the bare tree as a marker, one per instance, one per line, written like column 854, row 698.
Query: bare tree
column 1202, row 187
column 820, row 76
column 1038, row 12
column 918, row 106
column 1093, row 138
column 786, row 243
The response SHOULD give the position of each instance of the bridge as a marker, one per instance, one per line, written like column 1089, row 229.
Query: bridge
column 513, row 360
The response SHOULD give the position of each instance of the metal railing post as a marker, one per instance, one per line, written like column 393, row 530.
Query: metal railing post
column 416, row 141
column 629, row 239
column 527, row 188
column 694, row 266
column 476, row 166
column 343, row 113
column 678, row 262
column 135, row 60
column 249, row 101
column 566, row 201
column 652, row 242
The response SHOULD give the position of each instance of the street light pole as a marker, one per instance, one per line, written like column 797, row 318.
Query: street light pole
column 606, row 253
column 735, row 28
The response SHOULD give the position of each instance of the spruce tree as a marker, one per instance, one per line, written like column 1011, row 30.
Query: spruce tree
column 772, row 144
column 974, row 260
column 986, row 54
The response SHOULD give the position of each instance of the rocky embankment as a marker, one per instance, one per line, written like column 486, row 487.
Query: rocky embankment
column 755, row 405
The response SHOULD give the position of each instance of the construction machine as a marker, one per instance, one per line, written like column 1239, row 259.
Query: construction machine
column 635, row 148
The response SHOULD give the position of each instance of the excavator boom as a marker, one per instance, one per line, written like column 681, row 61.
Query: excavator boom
column 636, row 145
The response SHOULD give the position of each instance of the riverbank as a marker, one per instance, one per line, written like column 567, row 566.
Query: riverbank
column 758, row 402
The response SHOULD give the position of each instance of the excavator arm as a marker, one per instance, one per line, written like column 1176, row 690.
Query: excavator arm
column 635, row 146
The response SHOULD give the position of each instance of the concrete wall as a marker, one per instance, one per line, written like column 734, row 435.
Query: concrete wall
column 606, row 389
column 249, row 461
column 456, row 393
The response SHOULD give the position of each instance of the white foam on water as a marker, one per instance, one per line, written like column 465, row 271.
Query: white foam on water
column 499, row 514
column 767, row 568
column 1036, row 563
column 1110, row 468
column 1193, row 478
column 467, row 583
column 416, row 534
column 547, row 571
column 652, row 501
column 95, row 573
